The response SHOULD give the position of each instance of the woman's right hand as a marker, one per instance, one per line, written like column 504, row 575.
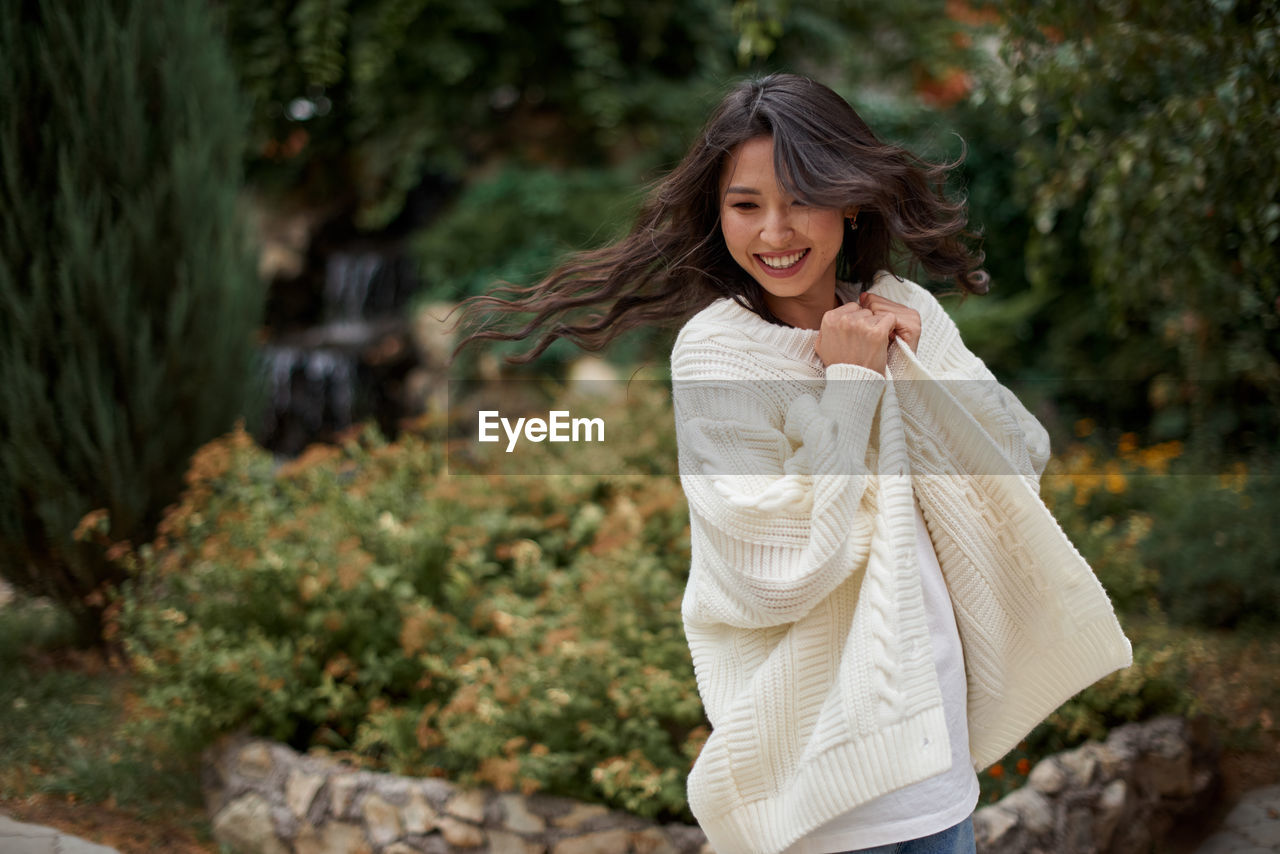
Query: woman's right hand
column 851, row 334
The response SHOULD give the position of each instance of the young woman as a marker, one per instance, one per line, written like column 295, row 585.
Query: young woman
column 879, row 604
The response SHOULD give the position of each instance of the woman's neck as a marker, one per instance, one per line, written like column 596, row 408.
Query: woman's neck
column 803, row 312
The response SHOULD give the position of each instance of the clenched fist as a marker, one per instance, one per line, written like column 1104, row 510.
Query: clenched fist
column 906, row 321
column 859, row 333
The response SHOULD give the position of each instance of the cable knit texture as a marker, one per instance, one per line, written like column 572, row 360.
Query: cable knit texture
column 804, row 610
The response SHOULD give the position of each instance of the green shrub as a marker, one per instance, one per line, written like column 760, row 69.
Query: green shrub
column 520, row 632
column 1164, row 539
column 1223, row 571
column 128, row 297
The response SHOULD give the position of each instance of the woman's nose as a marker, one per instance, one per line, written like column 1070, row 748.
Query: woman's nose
column 776, row 227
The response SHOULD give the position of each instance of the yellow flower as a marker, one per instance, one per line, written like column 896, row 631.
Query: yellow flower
column 1128, row 443
column 1115, row 481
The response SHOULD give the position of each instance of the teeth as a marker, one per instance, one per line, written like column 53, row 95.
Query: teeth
column 783, row 261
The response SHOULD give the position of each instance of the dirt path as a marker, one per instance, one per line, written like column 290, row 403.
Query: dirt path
column 127, row 832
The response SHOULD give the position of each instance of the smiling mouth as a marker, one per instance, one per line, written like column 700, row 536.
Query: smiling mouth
column 783, row 262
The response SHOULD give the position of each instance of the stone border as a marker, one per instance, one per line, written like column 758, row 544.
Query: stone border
column 265, row 798
column 1123, row 795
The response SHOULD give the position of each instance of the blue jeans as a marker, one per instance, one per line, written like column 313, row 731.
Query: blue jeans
column 954, row 840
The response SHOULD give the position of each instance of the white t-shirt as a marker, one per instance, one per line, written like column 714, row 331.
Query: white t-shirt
column 937, row 803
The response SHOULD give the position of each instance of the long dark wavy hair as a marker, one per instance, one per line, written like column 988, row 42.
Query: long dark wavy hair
column 673, row 262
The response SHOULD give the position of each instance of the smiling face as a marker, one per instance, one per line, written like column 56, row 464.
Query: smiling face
column 789, row 247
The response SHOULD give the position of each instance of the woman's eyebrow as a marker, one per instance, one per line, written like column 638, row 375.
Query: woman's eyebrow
column 751, row 191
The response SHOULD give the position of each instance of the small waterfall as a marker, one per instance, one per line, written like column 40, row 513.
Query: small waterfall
column 326, row 377
column 315, row 386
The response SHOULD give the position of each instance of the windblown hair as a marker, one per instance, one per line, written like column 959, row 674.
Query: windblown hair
column 674, row 260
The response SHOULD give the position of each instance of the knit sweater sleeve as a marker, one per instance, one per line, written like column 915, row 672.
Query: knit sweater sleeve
column 1018, row 434
column 773, row 480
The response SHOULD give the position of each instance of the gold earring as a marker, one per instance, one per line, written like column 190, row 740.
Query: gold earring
column 853, row 223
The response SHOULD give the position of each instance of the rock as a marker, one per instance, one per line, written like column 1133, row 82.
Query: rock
column 602, row 842
column 418, row 815
column 382, row 820
column 434, row 844
column 1080, row 764
column 336, row 837
column 991, row 824
column 1168, row 762
column 1075, row 830
column 1047, row 777
column 300, row 790
column 1161, row 749
column 438, row 792
column 686, row 838
column 501, row 842
column 429, row 331
column 1114, row 797
column 400, row 848
column 1111, row 763
column 284, row 822
column 579, row 815
column 1032, row 808
column 255, row 762
column 517, row 816
column 1110, row 809
column 245, row 826
column 651, row 841
column 461, row 834
column 468, row 806
column 395, row 789
column 341, row 789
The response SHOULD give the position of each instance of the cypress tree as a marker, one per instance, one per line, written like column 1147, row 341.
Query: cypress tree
column 128, row 294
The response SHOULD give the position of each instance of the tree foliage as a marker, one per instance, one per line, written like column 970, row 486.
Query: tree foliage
column 1147, row 160
column 361, row 101
column 127, row 296
column 376, row 95
column 910, row 45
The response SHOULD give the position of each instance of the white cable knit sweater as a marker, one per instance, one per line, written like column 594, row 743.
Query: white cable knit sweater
column 804, row 612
